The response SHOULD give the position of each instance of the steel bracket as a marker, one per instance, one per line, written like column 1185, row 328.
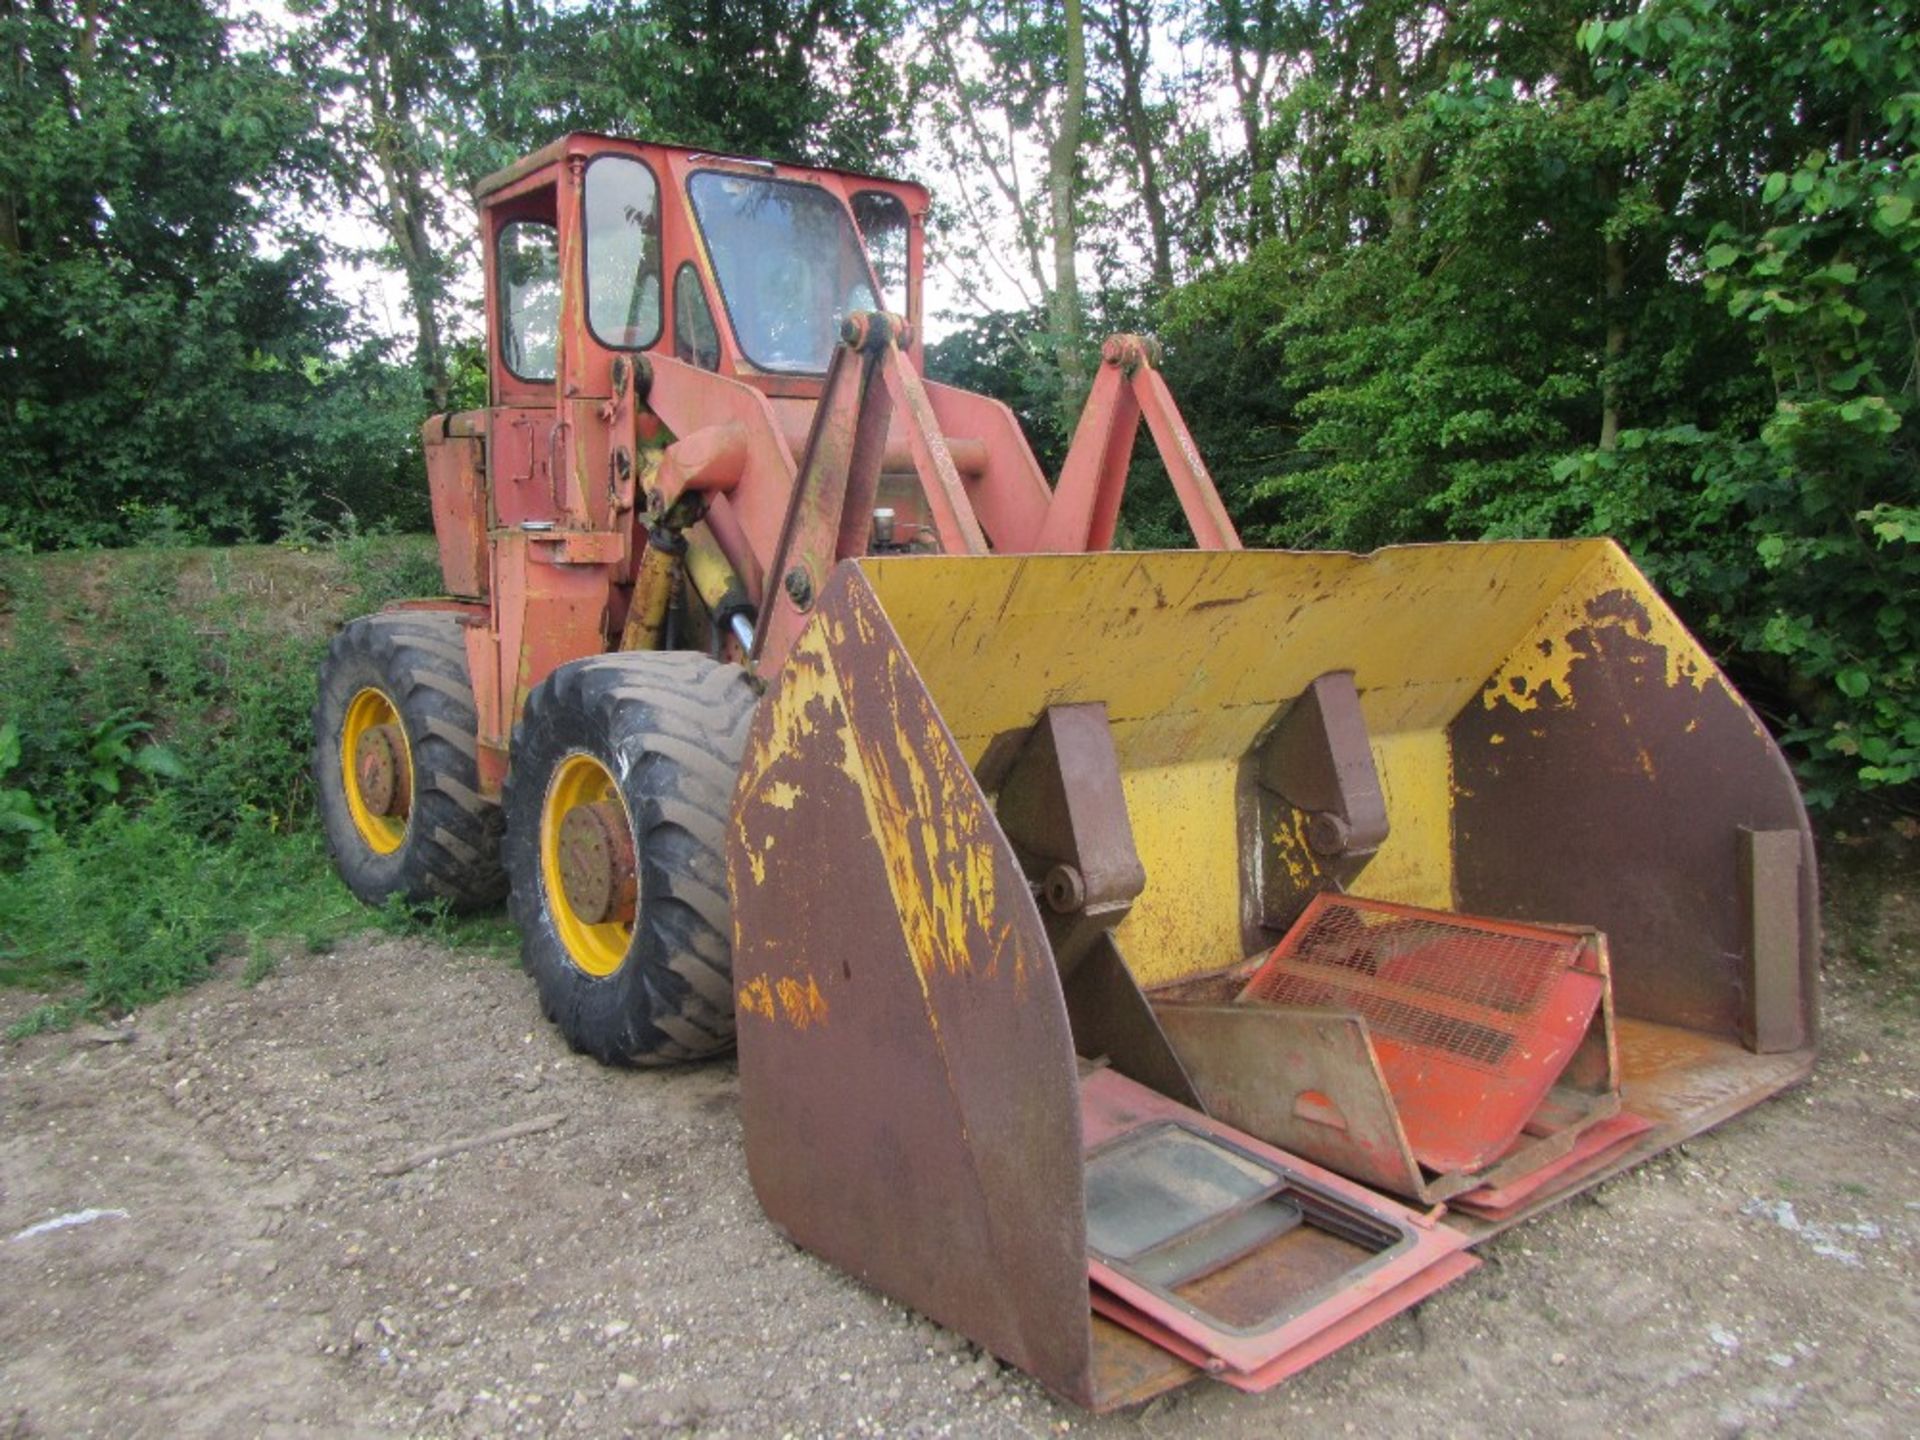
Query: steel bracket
column 1321, row 811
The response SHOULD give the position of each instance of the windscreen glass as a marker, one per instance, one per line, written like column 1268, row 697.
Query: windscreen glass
column 623, row 252
column 789, row 266
column 529, row 266
column 882, row 219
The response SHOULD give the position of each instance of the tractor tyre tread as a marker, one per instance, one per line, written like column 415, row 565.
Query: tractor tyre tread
column 672, row 726
column 451, row 851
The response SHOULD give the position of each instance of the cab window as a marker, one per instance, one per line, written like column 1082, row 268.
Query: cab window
column 789, row 266
column 882, row 219
column 622, row 205
column 528, row 263
column 695, row 340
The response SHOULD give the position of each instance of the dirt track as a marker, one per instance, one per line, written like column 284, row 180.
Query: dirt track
column 612, row 1275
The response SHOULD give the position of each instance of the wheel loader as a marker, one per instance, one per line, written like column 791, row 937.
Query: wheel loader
column 1152, row 965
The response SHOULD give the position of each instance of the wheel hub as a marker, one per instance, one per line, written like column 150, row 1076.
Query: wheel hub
column 596, row 863
column 379, row 764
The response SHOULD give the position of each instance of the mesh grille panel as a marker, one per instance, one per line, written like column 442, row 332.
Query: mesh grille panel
column 1472, row 989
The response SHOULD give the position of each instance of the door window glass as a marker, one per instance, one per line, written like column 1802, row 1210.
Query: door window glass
column 789, row 266
column 529, row 266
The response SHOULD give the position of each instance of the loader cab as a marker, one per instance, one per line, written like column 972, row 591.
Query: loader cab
column 597, row 247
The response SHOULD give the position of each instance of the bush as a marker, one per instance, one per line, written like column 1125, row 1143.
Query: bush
column 155, row 806
column 132, row 904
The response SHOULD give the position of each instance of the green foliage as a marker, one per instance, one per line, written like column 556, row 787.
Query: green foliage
column 379, row 567
column 210, row 704
column 129, row 906
column 155, row 805
column 1009, row 356
column 22, row 816
column 168, row 351
column 1659, row 286
column 1809, row 567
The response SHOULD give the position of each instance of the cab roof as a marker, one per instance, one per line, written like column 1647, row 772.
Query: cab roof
column 592, row 142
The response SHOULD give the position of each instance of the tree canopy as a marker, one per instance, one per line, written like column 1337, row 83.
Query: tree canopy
column 1422, row 270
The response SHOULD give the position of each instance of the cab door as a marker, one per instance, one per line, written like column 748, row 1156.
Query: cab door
column 524, row 313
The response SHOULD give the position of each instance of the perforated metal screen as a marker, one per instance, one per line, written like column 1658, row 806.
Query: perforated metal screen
column 1475, row 989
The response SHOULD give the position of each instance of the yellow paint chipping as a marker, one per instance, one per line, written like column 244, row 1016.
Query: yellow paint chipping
column 935, row 838
column 784, row 999
column 934, row 835
column 756, row 997
column 803, row 1005
column 1608, row 597
column 1193, row 655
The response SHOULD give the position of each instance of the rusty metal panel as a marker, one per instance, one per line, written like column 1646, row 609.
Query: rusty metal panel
column 1113, row 1021
column 1342, row 1332
column 908, row 1086
column 456, row 486
column 545, row 613
column 1173, row 1169
column 1684, row 1081
column 1130, row 1368
column 1063, row 808
column 519, row 466
column 1600, row 778
column 1770, row 895
column 1472, row 1020
column 1319, row 810
column 1591, row 1151
column 1304, row 1080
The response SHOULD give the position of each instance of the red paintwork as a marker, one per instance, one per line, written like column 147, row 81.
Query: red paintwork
column 543, row 501
column 1472, row 1020
column 1086, row 507
column 1314, row 1348
column 1597, row 1148
column 1112, row 1106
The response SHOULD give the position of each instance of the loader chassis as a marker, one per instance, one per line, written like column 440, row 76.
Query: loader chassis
column 1148, row 964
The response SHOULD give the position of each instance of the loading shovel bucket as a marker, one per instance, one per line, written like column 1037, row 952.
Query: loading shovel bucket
column 1001, row 816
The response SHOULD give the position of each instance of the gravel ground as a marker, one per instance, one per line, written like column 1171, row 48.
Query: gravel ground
column 258, row 1272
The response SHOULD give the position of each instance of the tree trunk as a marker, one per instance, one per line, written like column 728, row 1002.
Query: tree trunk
column 1067, row 320
column 406, row 225
column 1615, row 290
column 1248, row 59
column 407, row 201
column 9, row 205
column 1139, row 136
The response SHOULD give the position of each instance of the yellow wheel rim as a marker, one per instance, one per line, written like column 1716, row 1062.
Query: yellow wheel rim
column 583, row 799
column 376, row 770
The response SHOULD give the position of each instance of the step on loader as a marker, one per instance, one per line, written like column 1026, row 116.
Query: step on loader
column 1151, row 965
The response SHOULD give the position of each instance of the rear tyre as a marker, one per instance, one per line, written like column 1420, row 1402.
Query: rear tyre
column 617, row 806
column 394, row 769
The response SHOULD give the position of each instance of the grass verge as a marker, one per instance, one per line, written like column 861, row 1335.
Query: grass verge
column 155, row 808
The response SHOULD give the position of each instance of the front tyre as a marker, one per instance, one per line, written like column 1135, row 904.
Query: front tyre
column 394, row 771
column 617, row 802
